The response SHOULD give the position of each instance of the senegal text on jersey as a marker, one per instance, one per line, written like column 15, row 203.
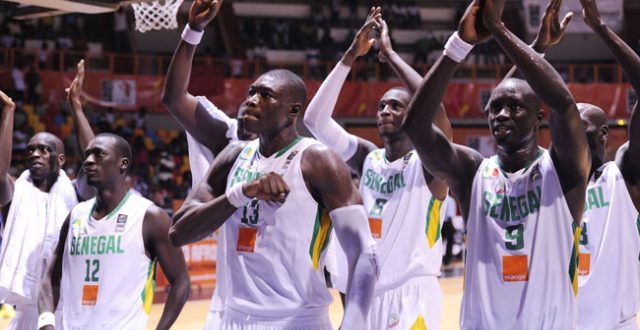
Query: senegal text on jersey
column 594, row 200
column 96, row 245
column 376, row 182
column 511, row 208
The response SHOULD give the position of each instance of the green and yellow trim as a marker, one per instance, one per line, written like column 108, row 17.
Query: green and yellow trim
column 149, row 288
column 321, row 236
column 573, row 263
column 433, row 221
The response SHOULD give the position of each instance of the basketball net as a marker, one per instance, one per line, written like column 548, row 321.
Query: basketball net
column 156, row 15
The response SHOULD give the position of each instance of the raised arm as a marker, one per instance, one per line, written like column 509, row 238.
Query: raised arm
column 317, row 117
column 6, row 147
column 448, row 162
column 49, row 294
column 206, row 123
column 409, row 77
column 84, row 131
column 569, row 149
column 630, row 63
column 331, row 183
column 155, row 232
column 550, row 32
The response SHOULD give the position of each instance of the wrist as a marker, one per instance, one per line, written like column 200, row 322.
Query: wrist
column 195, row 27
column 236, row 195
column 191, row 36
column 46, row 319
column 348, row 58
column 538, row 46
column 457, row 49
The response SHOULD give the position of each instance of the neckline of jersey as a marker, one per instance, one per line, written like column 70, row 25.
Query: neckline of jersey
column 283, row 150
column 507, row 174
column 118, row 207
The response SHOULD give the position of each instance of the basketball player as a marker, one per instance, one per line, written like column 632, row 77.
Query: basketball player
column 209, row 129
column 403, row 200
column 273, row 196
column 104, row 266
column 35, row 205
column 522, row 206
column 610, row 242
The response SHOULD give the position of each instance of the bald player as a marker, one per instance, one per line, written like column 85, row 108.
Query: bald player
column 104, row 266
column 610, row 240
column 523, row 206
column 401, row 197
column 35, row 206
column 279, row 198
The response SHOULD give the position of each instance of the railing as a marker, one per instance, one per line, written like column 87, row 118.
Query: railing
column 156, row 65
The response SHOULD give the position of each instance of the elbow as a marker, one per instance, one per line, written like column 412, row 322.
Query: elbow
column 167, row 99
column 174, row 237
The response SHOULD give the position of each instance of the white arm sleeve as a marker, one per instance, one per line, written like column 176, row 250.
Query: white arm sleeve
column 352, row 229
column 318, row 119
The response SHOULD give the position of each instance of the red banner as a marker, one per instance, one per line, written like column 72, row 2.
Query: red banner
column 357, row 99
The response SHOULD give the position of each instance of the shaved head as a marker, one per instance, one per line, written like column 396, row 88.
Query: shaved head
column 120, row 146
column 523, row 90
column 593, row 114
column 294, row 85
column 49, row 139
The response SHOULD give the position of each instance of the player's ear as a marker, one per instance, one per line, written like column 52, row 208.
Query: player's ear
column 295, row 110
column 124, row 164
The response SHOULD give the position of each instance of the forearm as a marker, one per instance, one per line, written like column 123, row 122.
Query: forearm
column 540, row 75
column 85, row 133
column 317, row 117
column 178, row 295
column 6, row 141
column 626, row 57
column 178, row 74
column 352, row 229
column 360, row 291
column 410, row 78
column 428, row 98
column 195, row 220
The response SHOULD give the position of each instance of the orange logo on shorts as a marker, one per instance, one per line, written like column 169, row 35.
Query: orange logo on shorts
column 515, row 268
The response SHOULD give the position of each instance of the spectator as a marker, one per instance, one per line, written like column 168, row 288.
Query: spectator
column 33, row 84
column 43, row 56
column 19, row 84
column 120, row 31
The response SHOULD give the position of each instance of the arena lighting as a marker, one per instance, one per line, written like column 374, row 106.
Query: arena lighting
column 621, row 122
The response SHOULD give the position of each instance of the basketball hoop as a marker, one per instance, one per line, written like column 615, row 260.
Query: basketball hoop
column 156, row 15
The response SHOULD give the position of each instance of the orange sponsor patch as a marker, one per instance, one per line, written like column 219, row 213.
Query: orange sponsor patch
column 376, row 227
column 89, row 294
column 246, row 239
column 515, row 268
column 584, row 264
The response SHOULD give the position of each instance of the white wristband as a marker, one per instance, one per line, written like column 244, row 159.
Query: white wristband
column 46, row 318
column 456, row 48
column 191, row 36
column 236, row 197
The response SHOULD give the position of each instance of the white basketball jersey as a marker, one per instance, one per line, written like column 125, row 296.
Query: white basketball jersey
column 107, row 279
column 404, row 217
column 275, row 252
column 609, row 271
column 521, row 261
